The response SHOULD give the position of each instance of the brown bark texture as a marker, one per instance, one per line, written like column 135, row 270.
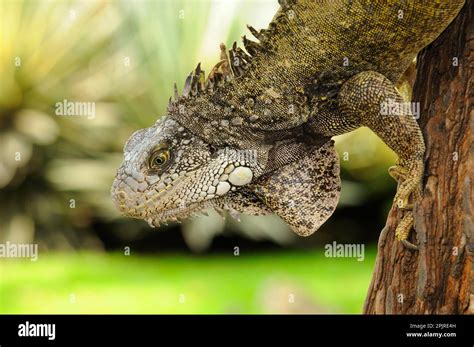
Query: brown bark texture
column 439, row 278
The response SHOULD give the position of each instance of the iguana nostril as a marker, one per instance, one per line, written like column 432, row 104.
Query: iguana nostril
column 119, row 198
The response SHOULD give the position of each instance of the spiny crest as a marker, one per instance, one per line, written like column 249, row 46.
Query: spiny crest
column 232, row 63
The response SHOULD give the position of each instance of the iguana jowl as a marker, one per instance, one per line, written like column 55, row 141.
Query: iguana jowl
column 254, row 136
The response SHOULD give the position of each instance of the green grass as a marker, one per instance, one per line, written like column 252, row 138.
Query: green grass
column 249, row 283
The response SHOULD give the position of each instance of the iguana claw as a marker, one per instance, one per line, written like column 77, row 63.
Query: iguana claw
column 409, row 187
column 403, row 231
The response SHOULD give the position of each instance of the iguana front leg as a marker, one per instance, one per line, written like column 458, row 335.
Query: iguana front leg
column 367, row 96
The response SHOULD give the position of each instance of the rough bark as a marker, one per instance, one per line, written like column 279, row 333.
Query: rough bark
column 439, row 278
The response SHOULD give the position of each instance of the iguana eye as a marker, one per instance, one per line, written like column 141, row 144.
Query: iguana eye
column 159, row 158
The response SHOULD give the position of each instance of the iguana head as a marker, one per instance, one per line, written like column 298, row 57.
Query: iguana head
column 170, row 173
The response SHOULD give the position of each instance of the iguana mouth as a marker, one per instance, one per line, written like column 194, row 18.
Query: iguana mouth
column 178, row 213
column 219, row 204
column 125, row 187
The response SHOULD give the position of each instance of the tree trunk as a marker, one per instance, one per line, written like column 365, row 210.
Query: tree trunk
column 439, row 278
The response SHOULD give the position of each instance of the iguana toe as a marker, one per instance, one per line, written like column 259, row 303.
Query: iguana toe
column 403, row 230
column 397, row 172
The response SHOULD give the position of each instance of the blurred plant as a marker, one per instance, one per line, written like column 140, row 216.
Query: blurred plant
column 46, row 56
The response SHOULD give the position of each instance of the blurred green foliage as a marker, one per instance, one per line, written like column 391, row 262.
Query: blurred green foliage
column 281, row 282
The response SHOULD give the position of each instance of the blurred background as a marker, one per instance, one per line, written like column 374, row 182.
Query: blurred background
column 56, row 172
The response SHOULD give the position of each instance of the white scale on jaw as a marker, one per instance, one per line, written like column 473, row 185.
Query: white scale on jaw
column 239, row 176
column 222, row 188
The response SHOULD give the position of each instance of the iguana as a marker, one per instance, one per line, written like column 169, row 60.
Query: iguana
column 255, row 135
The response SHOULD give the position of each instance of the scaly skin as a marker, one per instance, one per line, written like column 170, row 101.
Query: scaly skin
column 255, row 135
